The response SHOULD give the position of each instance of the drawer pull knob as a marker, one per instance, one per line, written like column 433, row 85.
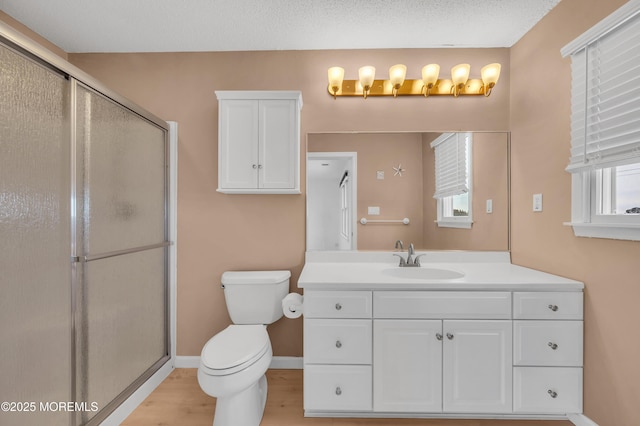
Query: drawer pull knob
column 339, row 391
column 553, row 346
column 338, row 344
column 449, row 336
column 338, row 306
column 553, row 307
column 438, row 336
column 553, row 394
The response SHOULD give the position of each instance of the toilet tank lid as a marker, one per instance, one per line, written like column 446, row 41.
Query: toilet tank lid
column 255, row 277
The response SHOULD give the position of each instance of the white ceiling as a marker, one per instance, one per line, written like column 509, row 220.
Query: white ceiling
column 232, row 25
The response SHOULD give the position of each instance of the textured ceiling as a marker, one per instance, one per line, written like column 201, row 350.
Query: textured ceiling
column 228, row 25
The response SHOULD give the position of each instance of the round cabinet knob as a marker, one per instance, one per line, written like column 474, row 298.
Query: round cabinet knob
column 338, row 306
column 553, row 346
column 438, row 336
column 259, row 166
column 338, row 344
column 553, row 307
column 338, row 391
column 255, row 166
column 553, row 394
column 449, row 336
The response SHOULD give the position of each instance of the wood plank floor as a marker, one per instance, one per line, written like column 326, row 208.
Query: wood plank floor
column 179, row 401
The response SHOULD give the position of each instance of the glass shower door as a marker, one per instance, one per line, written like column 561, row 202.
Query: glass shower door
column 121, row 234
column 35, row 299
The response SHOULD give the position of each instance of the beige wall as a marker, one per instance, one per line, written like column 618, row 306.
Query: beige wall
column 397, row 196
column 540, row 107
column 218, row 232
column 490, row 231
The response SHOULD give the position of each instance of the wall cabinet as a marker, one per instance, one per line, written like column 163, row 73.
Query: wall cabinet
column 259, row 142
column 442, row 353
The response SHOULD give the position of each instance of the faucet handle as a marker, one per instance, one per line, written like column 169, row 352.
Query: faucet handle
column 402, row 261
column 416, row 259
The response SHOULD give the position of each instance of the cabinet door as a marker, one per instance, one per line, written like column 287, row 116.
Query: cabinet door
column 407, row 365
column 238, row 144
column 279, row 141
column 477, row 366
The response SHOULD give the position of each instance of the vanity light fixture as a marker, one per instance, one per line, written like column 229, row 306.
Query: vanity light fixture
column 336, row 76
column 397, row 73
column 490, row 74
column 429, row 77
column 366, row 75
column 429, row 85
column 459, row 77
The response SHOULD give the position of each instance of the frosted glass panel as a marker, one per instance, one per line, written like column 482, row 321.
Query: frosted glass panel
column 122, row 168
column 125, row 332
column 35, row 311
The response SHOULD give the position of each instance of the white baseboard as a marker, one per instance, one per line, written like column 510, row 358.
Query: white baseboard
column 187, row 361
column 136, row 398
column 581, row 420
column 287, row 362
column 278, row 362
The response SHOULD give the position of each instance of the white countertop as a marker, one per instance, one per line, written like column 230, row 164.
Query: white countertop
column 482, row 271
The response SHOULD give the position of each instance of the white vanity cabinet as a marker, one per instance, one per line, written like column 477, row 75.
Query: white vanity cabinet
column 259, row 142
column 436, row 353
column 497, row 341
column 427, row 361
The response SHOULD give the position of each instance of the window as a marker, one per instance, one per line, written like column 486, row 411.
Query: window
column 617, row 193
column 453, row 153
column 605, row 127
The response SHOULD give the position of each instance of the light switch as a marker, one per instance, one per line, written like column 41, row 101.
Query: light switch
column 489, row 206
column 373, row 211
column 537, row 202
column 380, row 175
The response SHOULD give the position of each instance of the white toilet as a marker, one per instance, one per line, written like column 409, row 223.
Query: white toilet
column 233, row 362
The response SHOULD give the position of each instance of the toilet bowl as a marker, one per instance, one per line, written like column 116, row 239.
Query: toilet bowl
column 232, row 368
column 234, row 361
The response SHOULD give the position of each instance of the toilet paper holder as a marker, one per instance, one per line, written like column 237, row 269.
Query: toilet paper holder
column 293, row 305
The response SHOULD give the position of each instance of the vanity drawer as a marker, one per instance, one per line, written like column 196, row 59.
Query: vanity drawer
column 442, row 304
column 337, row 304
column 549, row 390
column 337, row 341
column 548, row 343
column 337, row 387
column 547, row 305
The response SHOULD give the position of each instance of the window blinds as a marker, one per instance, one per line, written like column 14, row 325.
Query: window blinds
column 450, row 164
column 605, row 100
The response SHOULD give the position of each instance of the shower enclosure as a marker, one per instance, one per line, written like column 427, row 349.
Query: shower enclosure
column 84, row 242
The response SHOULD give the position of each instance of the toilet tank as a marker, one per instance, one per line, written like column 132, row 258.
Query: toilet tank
column 255, row 297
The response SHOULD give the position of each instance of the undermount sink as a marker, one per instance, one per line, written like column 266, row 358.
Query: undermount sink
column 423, row 273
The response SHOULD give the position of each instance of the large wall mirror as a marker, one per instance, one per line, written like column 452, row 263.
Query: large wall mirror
column 386, row 178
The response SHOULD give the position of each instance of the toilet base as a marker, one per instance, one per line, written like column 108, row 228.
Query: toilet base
column 242, row 409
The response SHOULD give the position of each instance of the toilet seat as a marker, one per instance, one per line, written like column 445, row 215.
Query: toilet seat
column 234, row 349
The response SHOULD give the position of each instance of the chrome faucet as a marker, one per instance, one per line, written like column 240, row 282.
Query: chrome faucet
column 410, row 253
column 411, row 261
column 399, row 245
